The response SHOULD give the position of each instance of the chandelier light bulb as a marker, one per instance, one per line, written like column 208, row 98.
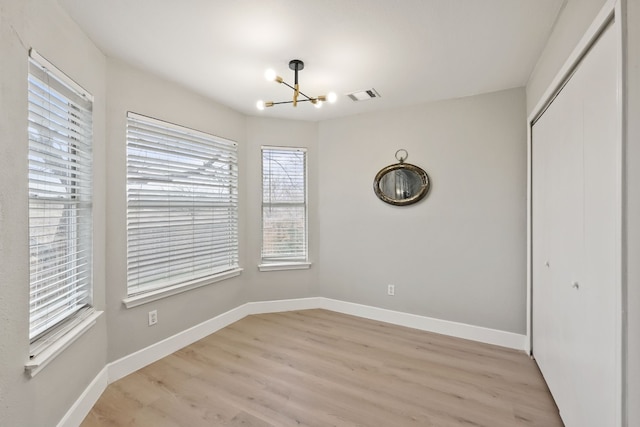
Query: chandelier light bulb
column 332, row 97
column 317, row 104
column 270, row 75
column 260, row 105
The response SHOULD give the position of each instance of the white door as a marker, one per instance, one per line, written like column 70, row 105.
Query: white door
column 575, row 215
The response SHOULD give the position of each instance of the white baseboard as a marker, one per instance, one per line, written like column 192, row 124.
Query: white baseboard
column 141, row 358
column 278, row 306
column 430, row 324
column 131, row 363
column 87, row 399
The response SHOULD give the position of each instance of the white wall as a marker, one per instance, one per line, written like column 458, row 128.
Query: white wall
column 633, row 210
column 457, row 255
column 571, row 26
column 270, row 285
column 573, row 21
column 131, row 89
column 43, row 400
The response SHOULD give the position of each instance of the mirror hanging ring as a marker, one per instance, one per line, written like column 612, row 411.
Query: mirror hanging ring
column 401, row 184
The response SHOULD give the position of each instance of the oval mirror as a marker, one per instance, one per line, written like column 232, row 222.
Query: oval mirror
column 401, row 184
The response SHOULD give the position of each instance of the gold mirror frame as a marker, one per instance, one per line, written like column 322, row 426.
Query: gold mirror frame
column 415, row 197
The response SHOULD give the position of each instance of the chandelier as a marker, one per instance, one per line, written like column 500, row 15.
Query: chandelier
column 296, row 65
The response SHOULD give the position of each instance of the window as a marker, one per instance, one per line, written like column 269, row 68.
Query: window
column 284, row 206
column 60, row 203
column 182, row 206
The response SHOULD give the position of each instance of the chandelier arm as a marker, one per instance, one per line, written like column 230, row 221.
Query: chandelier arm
column 299, row 91
column 288, row 85
column 309, row 98
column 291, row 102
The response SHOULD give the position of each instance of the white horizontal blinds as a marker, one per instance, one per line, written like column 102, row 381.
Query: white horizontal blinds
column 59, row 128
column 284, row 205
column 182, row 204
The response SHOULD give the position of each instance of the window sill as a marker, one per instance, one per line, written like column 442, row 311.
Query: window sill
column 136, row 300
column 278, row 266
column 42, row 359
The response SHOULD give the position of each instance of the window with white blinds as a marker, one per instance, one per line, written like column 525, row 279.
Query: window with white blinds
column 284, row 205
column 60, row 193
column 182, row 205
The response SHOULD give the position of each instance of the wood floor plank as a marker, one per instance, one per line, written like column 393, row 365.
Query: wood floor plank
column 327, row 369
column 321, row 368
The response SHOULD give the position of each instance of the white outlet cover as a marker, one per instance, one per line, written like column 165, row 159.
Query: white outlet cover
column 153, row 317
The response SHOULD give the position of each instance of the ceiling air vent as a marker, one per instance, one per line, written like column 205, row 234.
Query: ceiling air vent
column 363, row 95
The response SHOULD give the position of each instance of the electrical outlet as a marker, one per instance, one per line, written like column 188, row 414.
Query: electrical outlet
column 391, row 290
column 153, row 317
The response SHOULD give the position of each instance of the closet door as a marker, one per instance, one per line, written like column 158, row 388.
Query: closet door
column 575, row 215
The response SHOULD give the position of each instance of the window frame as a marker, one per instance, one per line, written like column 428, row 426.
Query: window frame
column 60, row 173
column 181, row 136
column 273, row 263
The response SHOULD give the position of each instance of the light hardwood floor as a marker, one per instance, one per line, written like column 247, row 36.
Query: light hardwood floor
column 320, row 368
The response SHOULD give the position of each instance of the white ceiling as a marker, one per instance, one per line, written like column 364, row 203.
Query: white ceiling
column 410, row 51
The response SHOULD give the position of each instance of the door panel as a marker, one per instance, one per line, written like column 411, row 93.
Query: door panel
column 574, row 238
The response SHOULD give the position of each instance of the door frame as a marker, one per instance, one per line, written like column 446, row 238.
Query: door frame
column 611, row 12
